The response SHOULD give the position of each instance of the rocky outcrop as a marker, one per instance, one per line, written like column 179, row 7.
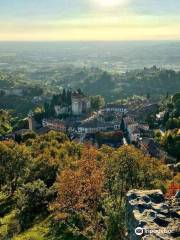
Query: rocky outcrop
column 150, row 216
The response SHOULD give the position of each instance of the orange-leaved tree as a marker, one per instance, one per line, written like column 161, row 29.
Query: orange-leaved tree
column 80, row 190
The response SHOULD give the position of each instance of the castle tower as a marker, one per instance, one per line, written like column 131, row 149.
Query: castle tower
column 31, row 121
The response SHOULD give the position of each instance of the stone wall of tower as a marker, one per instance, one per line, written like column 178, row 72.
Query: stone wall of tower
column 80, row 104
column 77, row 106
column 31, row 123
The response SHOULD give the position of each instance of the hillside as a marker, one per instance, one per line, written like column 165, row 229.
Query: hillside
column 52, row 188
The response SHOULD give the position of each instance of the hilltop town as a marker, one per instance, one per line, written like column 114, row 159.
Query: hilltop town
column 114, row 124
column 84, row 125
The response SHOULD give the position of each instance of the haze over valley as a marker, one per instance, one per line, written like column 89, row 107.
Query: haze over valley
column 112, row 56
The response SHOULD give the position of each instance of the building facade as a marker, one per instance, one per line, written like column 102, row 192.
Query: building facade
column 80, row 104
column 115, row 108
column 94, row 127
column 54, row 124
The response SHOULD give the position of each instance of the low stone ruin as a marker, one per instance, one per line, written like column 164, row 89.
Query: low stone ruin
column 150, row 216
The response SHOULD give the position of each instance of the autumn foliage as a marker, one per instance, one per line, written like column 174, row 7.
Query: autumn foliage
column 174, row 186
column 81, row 188
column 172, row 190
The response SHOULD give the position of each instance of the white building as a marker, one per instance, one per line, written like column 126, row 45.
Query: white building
column 95, row 126
column 115, row 108
column 80, row 104
column 160, row 116
column 54, row 124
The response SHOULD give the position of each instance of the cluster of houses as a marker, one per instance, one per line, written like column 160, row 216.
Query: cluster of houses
column 80, row 127
column 119, row 119
column 124, row 122
column 115, row 119
column 83, row 124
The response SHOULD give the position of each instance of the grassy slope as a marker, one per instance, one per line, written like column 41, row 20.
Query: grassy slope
column 9, row 226
column 39, row 231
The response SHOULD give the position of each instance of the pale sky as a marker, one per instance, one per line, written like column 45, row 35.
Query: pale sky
column 54, row 20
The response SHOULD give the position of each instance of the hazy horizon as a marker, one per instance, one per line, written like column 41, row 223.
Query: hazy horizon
column 89, row 20
column 109, row 55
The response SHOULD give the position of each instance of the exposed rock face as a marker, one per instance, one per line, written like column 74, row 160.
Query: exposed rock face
column 156, row 217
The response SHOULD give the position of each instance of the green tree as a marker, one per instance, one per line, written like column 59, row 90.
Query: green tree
column 127, row 169
column 14, row 165
column 173, row 123
column 31, row 199
column 97, row 102
column 176, row 97
column 5, row 125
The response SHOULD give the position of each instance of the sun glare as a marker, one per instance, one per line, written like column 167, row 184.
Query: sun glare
column 109, row 3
